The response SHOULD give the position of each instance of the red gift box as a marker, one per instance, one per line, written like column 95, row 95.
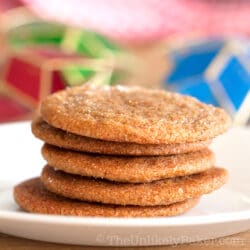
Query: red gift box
column 11, row 110
column 31, row 74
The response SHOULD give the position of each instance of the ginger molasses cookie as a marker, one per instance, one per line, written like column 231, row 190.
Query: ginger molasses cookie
column 133, row 114
column 128, row 168
column 61, row 138
column 33, row 197
column 163, row 192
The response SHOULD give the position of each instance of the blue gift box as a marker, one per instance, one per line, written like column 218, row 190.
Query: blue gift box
column 216, row 72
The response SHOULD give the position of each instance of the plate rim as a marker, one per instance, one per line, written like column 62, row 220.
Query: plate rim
column 124, row 222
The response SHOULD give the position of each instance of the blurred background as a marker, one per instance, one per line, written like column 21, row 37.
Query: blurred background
column 195, row 47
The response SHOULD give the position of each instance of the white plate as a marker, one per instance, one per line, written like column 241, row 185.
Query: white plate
column 225, row 212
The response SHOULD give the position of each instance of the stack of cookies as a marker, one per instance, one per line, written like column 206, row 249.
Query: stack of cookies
column 123, row 152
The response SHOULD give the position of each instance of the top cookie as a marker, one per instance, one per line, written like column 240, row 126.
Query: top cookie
column 133, row 114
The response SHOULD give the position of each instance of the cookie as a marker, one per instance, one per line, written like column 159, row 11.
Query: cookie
column 125, row 168
column 33, row 197
column 60, row 138
column 133, row 114
column 161, row 192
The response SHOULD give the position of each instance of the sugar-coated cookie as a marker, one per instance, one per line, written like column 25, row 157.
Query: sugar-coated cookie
column 161, row 192
column 133, row 114
column 33, row 197
column 67, row 140
column 128, row 168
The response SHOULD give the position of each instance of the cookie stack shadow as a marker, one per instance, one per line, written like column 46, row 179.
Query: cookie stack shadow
column 125, row 177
